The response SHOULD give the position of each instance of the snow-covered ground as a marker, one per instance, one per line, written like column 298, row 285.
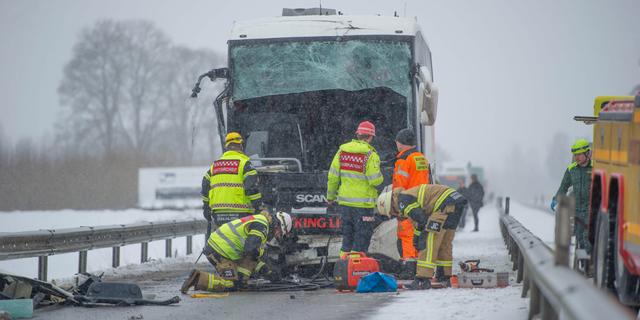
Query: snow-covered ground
column 541, row 223
column 66, row 265
column 488, row 246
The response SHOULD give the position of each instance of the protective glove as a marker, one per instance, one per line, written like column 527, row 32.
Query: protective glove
column 554, row 203
column 419, row 239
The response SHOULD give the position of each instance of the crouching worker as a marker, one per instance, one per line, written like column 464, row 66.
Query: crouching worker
column 435, row 211
column 235, row 250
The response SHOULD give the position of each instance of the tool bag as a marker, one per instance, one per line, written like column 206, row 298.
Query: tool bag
column 351, row 267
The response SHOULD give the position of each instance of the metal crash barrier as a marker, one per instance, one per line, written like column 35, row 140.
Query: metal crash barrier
column 43, row 243
column 555, row 290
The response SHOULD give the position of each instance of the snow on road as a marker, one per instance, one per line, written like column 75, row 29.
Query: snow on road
column 488, row 246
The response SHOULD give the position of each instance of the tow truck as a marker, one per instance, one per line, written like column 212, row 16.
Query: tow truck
column 296, row 88
column 614, row 216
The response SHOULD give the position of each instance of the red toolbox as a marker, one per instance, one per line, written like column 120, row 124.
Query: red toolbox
column 350, row 268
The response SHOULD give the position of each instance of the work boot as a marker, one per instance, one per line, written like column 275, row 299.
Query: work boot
column 441, row 282
column 408, row 270
column 418, row 284
column 191, row 281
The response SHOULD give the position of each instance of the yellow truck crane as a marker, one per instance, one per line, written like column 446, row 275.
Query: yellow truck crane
column 614, row 220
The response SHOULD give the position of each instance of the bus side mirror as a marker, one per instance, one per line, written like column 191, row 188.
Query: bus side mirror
column 427, row 97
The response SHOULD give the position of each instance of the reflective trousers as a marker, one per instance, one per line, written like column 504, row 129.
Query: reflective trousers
column 405, row 239
column 438, row 253
column 229, row 275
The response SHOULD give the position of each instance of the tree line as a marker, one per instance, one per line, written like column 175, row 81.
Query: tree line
column 125, row 104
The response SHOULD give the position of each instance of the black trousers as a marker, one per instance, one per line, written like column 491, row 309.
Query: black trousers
column 475, row 216
column 357, row 228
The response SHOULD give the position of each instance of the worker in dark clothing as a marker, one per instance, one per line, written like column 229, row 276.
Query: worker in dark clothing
column 230, row 187
column 474, row 194
column 578, row 176
column 235, row 250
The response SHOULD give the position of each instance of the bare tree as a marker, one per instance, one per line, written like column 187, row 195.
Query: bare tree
column 147, row 54
column 112, row 85
column 187, row 116
column 92, row 85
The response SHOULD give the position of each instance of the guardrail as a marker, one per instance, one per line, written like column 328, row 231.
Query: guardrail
column 556, row 291
column 43, row 243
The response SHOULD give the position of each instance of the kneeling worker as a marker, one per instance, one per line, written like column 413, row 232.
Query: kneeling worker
column 235, row 249
column 435, row 211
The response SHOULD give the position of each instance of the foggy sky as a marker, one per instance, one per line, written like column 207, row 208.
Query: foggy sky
column 509, row 72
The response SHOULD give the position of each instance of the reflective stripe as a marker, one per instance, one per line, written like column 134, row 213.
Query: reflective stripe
column 258, row 234
column 421, row 194
column 444, row 263
column 229, row 242
column 235, row 231
column 210, row 284
column 444, row 195
column 410, row 207
column 226, row 185
column 403, row 173
column 260, row 265
column 356, row 199
column 231, row 205
column 416, row 232
column 333, row 171
column 255, row 196
column 428, row 260
column 250, row 173
column 375, row 176
column 205, row 198
column 244, row 271
column 353, row 175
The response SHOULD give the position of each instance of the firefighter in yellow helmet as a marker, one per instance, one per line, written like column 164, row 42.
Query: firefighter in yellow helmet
column 230, row 187
column 435, row 211
column 235, row 250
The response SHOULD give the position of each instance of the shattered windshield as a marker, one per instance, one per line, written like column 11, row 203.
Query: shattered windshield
column 265, row 69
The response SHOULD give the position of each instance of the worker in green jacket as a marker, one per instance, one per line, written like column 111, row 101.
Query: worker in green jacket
column 230, row 187
column 235, row 250
column 578, row 176
column 352, row 180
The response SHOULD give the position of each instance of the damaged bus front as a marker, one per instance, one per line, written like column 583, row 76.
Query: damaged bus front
column 297, row 87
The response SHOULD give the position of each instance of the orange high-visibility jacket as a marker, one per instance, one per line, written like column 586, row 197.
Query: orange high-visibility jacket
column 411, row 169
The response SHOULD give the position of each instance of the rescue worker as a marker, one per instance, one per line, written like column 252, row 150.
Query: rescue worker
column 435, row 211
column 578, row 175
column 230, row 187
column 411, row 169
column 235, row 250
column 352, row 180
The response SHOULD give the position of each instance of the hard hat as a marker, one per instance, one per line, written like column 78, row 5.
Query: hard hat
column 581, row 146
column 384, row 201
column 285, row 221
column 366, row 127
column 232, row 137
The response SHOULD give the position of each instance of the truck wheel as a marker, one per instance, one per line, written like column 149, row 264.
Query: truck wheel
column 603, row 254
column 626, row 283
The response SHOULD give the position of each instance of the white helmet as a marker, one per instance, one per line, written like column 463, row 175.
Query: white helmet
column 384, row 201
column 285, row 221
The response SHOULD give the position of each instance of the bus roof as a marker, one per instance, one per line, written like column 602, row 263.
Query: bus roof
column 322, row 26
